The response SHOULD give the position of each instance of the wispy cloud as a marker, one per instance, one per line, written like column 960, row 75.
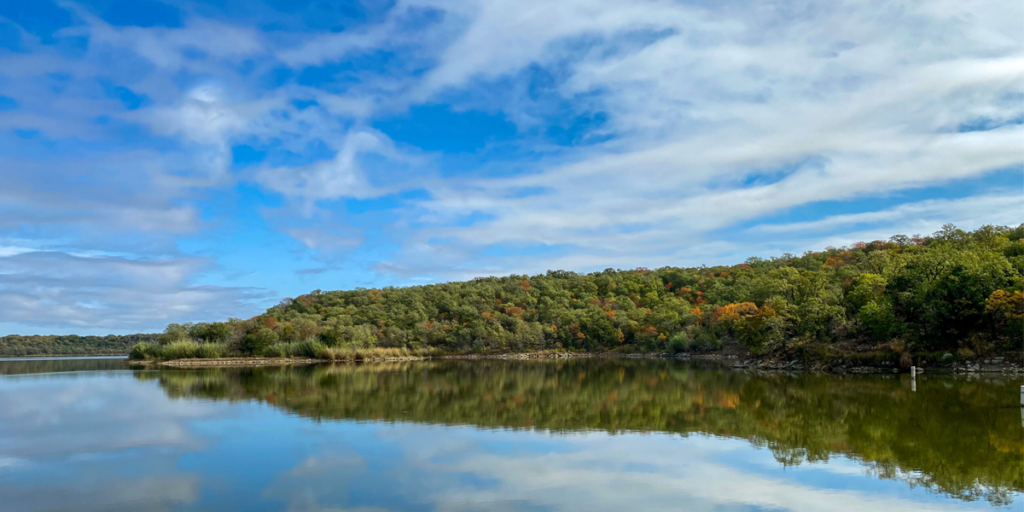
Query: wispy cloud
column 111, row 292
column 1002, row 209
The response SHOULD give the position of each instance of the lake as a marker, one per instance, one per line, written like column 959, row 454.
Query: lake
column 588, row 434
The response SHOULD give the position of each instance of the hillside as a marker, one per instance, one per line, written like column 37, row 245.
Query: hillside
column 953, row 291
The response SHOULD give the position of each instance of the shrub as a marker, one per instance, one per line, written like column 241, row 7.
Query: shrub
column 256, row 342
column 679, row 342
column 706, row 341
column 330, row 338
column 145, row 351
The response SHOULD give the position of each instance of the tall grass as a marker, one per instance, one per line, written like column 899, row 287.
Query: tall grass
column 372, row 354
column 178, row 350
column 212, row 350
column 306, row 348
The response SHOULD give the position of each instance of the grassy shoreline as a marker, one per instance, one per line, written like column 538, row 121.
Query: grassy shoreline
column 293, row 361
column 847, row 361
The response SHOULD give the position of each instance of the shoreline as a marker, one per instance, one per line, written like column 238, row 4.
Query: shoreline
column 245, row 362
column 224, row 362
column 996, row 365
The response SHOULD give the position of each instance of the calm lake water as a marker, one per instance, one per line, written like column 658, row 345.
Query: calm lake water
column 592, row 435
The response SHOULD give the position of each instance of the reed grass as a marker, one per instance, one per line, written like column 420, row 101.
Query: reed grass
column 371, row 354
column 178, row 350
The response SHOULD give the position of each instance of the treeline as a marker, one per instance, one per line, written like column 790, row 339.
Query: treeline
column 48, row 365
column 955, row 291
column 71, row 345
column 970, row 450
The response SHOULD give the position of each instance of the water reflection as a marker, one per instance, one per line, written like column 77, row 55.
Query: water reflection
column 19, row 366
column 571, row 435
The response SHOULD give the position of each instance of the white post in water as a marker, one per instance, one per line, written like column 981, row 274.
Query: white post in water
column 913, row 379
column 913, row 372
column 1022, row 398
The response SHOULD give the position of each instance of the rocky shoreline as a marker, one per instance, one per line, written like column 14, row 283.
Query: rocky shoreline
column 995, row 365
column 588, row 355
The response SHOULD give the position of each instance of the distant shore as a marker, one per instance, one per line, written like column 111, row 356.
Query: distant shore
column 59, row 356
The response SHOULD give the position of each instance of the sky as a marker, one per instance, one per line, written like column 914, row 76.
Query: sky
column 167, row 161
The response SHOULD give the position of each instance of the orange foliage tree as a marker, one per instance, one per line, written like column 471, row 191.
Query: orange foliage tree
column 733, row 312
column 1007, row 310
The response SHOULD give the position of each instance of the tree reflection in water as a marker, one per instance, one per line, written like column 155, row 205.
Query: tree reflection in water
column 955, row 436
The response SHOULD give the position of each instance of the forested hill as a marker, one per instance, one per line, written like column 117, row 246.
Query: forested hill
column 953, row 291
column 71, row 345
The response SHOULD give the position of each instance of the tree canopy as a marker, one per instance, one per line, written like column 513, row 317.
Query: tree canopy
column 954, row 290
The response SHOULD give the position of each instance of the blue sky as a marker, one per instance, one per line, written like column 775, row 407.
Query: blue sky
column 188, row 161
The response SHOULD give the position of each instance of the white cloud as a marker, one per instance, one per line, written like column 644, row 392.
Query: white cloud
column 731, row 116
column 164, row 46
column 56, row 288
column 343, row 176
column 82, row 429
column 326, row 241
column 1002, row 209
column 628, row 472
